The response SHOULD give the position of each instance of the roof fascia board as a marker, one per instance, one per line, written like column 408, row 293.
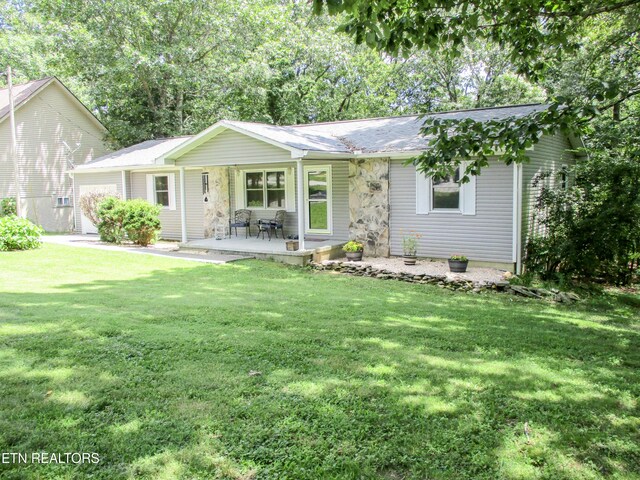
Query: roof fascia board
column 133, row 168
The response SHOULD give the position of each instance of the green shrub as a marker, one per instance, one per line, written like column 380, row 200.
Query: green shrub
column 110, row 215
column 19, row 234
column 137, row 219
column 142, row 221
column 353, row 246
column 8, row 207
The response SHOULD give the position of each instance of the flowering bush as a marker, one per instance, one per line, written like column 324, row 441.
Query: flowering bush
column 8, row 207
column 410, row 243
column 19, row 234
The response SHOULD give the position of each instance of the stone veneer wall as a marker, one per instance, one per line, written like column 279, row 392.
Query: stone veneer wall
column 216, row 202
column 369, row 204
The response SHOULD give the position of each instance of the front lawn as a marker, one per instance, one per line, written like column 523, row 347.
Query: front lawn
column 173, row 369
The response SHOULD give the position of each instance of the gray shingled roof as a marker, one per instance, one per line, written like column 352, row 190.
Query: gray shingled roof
column 141, row 154
column 396, row 134
column 21, row 93
column 373, row 135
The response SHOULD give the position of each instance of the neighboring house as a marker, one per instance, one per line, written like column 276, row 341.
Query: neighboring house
column 55, row 131
column 337, row 181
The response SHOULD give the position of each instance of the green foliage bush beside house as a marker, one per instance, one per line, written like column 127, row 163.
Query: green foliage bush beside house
column 592, row 229
column 19, row 234
column 136, row 219
column 141, row 221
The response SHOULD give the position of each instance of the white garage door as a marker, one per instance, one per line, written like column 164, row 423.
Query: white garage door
column 85, row 223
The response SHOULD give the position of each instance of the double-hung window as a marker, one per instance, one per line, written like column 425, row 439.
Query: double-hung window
column 265, row 189
column 161, row 190
column 445, row 193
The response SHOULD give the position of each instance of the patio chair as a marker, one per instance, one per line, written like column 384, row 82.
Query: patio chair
column 278, row 222
column 275, row 223
column 242, row 219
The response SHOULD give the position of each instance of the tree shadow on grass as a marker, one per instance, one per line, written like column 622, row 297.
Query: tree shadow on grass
column 357, row 379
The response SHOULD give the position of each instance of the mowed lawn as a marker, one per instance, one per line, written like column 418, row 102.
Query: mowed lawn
column 147, row 360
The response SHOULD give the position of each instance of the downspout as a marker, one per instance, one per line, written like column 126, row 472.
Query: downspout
column 183, row 206
column 300, row 202
column 517, row 217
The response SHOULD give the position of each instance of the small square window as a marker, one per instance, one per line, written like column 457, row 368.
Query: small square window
column 63, row 201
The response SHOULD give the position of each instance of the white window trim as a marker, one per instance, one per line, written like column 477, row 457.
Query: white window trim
column 242, row 190
column 62, row 205
column 329, row 230
column 151, row 189
column 424, row 196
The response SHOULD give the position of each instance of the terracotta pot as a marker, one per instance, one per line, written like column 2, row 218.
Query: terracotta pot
column 354, row 256
column 409, row 259
column 458, row 266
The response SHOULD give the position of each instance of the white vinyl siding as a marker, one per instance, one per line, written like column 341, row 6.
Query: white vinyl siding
column 485, row 234
column 549, row 155
column 43, row 123
column 170, row 219
column 233, row 148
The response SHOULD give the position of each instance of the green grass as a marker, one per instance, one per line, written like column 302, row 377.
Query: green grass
column 145, row 360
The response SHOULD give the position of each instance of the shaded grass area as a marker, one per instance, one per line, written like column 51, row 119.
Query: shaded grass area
column 145, row 360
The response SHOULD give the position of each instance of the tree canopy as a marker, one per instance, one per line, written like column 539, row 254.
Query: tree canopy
column 584, row 53
column 154, row 69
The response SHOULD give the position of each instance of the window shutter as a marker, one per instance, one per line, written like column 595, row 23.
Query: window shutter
column 468, row 194
column 290, row 189
column 150, row 190
column 172, row 191
column 423, row 193
column 239, row 190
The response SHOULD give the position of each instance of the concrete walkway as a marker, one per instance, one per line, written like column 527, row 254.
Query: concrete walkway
column 164, row 249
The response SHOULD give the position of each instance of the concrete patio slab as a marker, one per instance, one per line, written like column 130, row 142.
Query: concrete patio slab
column 162, row 248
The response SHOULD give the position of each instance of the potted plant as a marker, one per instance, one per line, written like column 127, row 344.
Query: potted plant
column 354, row 250
column 410, row 248
column 458, row 263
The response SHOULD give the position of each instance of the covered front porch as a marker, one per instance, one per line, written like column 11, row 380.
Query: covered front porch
column 275, row 249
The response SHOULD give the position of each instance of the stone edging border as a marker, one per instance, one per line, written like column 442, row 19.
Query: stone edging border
column 353, row 268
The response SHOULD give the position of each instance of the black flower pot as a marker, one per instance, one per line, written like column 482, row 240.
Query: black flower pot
column 458, row 266
column 354, row 256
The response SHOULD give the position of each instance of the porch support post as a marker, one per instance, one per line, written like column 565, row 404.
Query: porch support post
column 183, row 206
column 300, row 202
column 124, row 185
